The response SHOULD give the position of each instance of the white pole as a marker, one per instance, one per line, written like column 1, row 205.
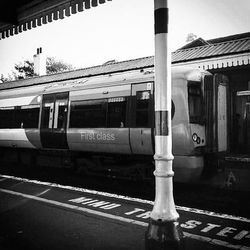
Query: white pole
column 163, row 231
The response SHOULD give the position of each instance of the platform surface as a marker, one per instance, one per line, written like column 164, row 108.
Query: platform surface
column 39, row 215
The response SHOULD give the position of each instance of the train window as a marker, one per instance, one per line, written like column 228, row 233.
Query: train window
column 117, row 112
column 29, row 116
column 6, row 117
column 61, row 108
column 195, row 102
column 142, row 108
column 88, row 114
column 47, row 115
column 20, row 117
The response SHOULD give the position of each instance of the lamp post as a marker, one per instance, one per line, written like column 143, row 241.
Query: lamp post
column 163, row 231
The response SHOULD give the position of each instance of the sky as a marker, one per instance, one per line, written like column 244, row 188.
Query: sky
column 123, row 30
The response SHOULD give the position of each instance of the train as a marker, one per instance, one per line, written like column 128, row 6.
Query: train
column 105, row 121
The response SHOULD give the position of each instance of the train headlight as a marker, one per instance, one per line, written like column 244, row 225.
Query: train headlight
column 195, row 137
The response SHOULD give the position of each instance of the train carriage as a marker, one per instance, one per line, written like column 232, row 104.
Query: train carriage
column 109, row 114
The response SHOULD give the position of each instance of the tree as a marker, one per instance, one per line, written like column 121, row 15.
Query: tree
column 26, row 69
column 3, row 78
column 56, row 66
column 190, row 37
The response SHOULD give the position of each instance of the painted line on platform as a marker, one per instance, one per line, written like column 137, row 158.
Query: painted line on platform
column 186, row 209
column 121, row 219
column 69, row 206
column 215, row 241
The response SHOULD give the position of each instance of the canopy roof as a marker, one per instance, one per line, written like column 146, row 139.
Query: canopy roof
column 22, row 15
column 214, row 48
column 222, row 52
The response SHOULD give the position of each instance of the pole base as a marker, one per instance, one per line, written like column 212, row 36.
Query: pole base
column 164, row 235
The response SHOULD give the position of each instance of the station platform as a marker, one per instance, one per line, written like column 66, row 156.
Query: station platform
column 41, row 215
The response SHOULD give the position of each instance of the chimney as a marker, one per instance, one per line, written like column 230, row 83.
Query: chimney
column 39, row 63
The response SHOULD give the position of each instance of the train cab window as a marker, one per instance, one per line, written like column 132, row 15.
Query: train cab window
column 88, row 114
column 117, row 112
column 195, row 102
column 142, row 109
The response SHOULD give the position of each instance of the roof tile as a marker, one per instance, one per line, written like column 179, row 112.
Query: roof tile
column 182, row 55
column 212, row 50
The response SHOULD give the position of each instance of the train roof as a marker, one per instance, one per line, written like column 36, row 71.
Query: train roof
column 104, row 69
column 136, row 68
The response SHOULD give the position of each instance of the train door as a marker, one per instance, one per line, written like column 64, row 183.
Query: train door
column 221, row 111
column 141, row 132
column 242, row 123
column 54, row 121
column 216, row 103
column 222, row 117
column 247, row 128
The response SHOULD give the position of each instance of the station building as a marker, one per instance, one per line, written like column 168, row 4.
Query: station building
column 229, row 56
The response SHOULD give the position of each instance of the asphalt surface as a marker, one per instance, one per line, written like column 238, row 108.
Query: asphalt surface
column 35, row 215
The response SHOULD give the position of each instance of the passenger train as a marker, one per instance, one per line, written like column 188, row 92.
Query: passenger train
column 108, row 118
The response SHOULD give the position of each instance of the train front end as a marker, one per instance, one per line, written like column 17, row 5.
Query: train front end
column 188, row 124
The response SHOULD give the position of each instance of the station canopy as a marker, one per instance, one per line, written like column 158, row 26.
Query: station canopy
column 22, row 15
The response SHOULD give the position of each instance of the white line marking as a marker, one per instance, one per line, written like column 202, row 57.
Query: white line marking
column 122, row 219
column 43, row 192
column 65, row 205
column 215, row 241
column 186, row 209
